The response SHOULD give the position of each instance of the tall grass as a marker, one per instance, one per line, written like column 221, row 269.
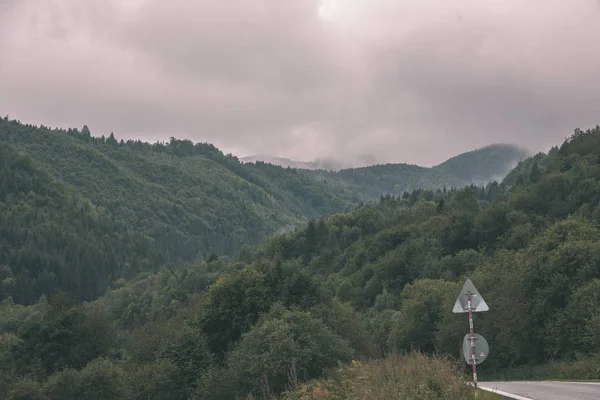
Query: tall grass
column 414, row 376
column 585, row 368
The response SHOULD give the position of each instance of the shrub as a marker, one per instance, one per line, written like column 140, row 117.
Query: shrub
column 412, row 376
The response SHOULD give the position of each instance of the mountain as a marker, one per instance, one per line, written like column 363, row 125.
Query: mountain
column 281, row 161
column 189, row 199
column 51, row 238
column 484, row 165
column 531, row 247
column 478, row 167
column 342, row 294
column 328, row 164
column 182, row 200
column 393, row 179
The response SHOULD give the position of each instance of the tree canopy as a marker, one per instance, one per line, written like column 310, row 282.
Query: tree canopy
column 95, row 305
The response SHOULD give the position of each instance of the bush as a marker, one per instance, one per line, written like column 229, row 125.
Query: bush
column 284, row 348
column 587, row 368
column 413, row 376
column 26, row 389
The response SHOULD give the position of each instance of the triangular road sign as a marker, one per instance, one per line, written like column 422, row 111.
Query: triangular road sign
column 477, row 302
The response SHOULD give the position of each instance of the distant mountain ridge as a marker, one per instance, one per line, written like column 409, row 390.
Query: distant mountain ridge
column 189, row 200
column 486, row 164
column 80, row 216
column 480, row 166
column 328, row 164
column 48, row 232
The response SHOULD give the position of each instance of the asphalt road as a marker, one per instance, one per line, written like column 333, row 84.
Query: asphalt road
column 545, row 390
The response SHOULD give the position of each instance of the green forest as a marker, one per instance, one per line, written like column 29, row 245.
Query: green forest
column 171, row 271
column 141, row 206
column 478, row 167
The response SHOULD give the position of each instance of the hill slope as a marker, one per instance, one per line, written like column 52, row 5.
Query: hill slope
column 484, row 165
column 190, row 199
column 282, row 162
column 530, row 248
column 328, row 164
column 50, row 238
column 382, row 278
column 394, row 179
column 475, row 167
column 478, row 166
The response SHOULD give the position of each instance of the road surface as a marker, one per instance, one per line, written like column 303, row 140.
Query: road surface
column 545, row 390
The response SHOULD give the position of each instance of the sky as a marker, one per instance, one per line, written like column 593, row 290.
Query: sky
column 401, row 80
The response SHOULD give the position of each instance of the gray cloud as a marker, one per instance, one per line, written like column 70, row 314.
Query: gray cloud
column 403, row 80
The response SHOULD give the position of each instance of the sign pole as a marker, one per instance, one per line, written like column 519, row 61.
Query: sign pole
column 475, row 347
column 473, row 355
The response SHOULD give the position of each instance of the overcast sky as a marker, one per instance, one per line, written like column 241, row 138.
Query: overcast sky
column 404, row 80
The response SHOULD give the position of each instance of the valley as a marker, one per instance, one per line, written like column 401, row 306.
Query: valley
column 171, row 270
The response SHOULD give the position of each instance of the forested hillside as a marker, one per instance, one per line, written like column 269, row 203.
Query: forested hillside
column 190, row 199
column 286, row 162
column 51, row 238
column 484, row 165
column 393, row 179
column 380, row 279
column 479, row 167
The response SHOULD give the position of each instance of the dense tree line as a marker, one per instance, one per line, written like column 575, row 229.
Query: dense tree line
column 190, row 199
column 479, row 167
column 194, row 201
column 485, row 164
column 51, row 238
column 357, row 285
column 393, row 179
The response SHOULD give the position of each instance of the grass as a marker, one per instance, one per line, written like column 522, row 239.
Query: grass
column 414, row 376
column 585, row 369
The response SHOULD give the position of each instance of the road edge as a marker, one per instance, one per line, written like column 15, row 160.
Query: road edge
column 504, row 394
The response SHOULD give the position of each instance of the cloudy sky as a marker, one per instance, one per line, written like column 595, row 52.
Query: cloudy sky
column 404, row 80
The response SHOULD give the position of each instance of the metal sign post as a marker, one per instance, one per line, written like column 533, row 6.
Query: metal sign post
column 469, row 301
column 473, row 356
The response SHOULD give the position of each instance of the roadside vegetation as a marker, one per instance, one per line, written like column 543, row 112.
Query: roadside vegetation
column 410, row 376
column 96, row 306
